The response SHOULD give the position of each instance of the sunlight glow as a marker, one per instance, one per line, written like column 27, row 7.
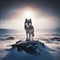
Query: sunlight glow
column 40, row 19
column 28, row 14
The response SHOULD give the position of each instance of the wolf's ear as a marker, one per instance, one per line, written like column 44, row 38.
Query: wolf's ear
column 25, row 19
column 30, row 19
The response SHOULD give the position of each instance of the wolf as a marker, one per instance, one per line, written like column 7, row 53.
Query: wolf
column 29, row 29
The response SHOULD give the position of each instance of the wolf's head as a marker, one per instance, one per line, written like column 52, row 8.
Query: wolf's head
column 28, row 23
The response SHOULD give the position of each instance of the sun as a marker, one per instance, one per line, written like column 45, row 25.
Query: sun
column 28, row 14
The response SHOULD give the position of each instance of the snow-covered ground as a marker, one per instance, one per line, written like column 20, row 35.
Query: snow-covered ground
column 50, row 52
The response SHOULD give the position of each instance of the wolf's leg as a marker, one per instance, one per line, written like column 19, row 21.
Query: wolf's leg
column 26, row 35
column 32, row 37
column 29, row 36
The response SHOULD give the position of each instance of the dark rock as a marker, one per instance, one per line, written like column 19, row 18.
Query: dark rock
column 55, row 38
column 29, row 47
column 10, row 38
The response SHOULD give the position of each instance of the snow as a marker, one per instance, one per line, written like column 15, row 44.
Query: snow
column 50, row 52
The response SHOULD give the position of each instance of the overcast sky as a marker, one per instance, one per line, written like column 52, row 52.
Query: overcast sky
column 50, row 10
